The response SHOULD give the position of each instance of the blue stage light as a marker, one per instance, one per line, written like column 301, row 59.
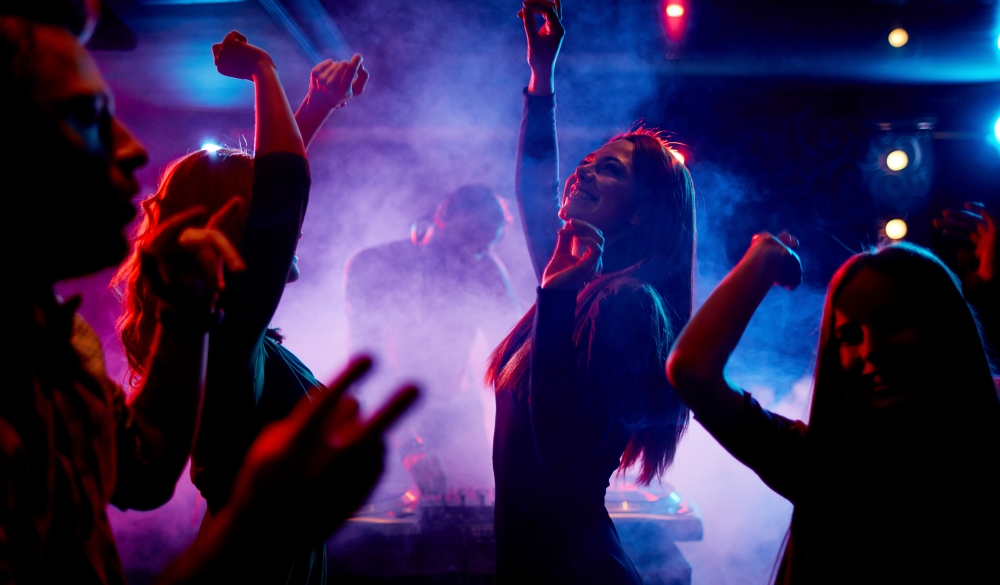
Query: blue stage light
column 996, row 129
column 210, row 147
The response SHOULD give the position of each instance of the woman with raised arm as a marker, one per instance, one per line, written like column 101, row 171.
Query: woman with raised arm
column 251, row 379
column 579, row 384
column 891, row 478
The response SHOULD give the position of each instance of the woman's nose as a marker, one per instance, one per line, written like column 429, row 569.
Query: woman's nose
column 872, row 351
column 585, row 173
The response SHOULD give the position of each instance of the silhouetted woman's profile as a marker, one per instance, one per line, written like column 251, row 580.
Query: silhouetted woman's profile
column 891, row 478
column 579, row 384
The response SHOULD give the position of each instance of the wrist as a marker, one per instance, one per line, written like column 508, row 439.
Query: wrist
column 264, row 67
column 541, row 84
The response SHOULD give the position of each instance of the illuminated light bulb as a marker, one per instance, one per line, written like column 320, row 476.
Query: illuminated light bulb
column 678, row 156
column 898, row 37
column 675, row 10
column 895, row 229
column 897, row 160
column 210, row 147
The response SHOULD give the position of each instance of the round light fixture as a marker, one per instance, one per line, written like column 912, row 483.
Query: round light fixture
column 897, row 160
column 898, row 37
column 895, row 229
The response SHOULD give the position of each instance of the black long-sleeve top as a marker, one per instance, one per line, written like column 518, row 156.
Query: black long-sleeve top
column 561, row 430
column 895, row 502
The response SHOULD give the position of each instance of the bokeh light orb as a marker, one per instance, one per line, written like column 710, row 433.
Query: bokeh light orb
column 898, row 37
column 210, row 147
column 897, row 160
column 675, row 10
column 895, row 229
column 678, row 156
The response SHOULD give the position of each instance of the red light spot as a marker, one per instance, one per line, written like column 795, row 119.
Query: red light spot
column 675, row 10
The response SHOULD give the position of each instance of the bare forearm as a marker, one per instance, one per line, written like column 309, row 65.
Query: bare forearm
column 277, row 130
column 310, row 117
column 697, row 363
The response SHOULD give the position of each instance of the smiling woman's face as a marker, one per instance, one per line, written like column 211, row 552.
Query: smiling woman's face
column 601, row 190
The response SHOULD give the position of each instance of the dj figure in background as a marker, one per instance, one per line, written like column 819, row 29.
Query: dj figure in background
column 421, row 302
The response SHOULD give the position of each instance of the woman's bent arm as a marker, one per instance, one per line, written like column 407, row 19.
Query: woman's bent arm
column 696, row 365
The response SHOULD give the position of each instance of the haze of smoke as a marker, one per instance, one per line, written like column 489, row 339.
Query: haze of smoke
column 379, row 173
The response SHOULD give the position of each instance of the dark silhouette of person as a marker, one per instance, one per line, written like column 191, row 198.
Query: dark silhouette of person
column 421, row 303
column 904, row 410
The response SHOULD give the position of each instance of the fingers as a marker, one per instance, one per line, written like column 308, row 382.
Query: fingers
column 321, row 66
column 953, row 225
column 325, row 77
column 213, row 250
column 390, row 412
column 362, row 80
column 982, row 211
column 349, row 73
column 788, row 239
column 169, row 230
column 227, row 211
column 528, row 17
column 317, row 413
column 564, row 241
column 549, row 11
column 580, row 228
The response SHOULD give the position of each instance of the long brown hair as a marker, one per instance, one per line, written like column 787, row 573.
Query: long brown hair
column 661, row 261
column 204, row 178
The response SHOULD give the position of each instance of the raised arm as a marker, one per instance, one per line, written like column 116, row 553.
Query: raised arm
column 536, row 177
column 331, row 84
column 696, row 366
column 276, row 130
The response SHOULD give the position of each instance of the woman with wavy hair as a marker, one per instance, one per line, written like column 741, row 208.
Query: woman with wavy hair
column 891, row 479
column 251, row 379
column 579, row 381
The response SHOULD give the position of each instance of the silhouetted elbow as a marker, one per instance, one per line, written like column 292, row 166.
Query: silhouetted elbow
column 687, row 374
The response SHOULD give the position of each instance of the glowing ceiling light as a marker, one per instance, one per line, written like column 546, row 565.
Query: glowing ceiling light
column 898, row 37
column 678, row 156
column 210, row 147
column 675, row 10
column 897, row 160
column 895, row 229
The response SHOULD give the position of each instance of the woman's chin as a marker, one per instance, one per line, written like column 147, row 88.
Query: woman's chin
column 570, row 211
